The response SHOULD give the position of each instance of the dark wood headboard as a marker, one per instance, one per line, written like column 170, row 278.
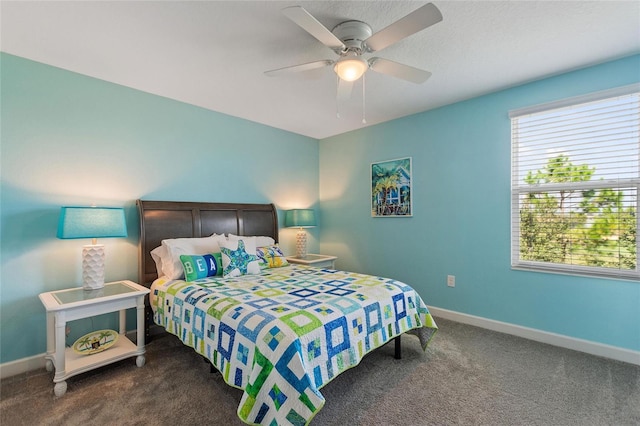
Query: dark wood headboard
column 160, row 220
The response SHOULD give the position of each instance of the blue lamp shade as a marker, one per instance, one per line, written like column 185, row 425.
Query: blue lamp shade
column 300, row 218
column 91, row 222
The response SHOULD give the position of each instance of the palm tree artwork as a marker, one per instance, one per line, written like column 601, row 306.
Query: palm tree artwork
column 391, row 188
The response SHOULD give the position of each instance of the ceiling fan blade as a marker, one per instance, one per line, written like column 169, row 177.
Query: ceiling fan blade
column 417, row 20
column 298, row 68
column 311, row 25
column 398, row 70
column 344, row 90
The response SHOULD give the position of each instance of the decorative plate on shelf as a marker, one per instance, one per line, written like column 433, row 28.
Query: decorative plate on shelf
column 94, row 342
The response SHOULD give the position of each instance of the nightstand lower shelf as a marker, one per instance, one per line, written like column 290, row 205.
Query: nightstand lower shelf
column 77, row 364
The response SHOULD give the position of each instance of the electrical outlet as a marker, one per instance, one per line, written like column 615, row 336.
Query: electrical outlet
column 451, row 280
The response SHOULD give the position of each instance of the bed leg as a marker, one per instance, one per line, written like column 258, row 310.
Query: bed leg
column 398, row 347
column 148, row 319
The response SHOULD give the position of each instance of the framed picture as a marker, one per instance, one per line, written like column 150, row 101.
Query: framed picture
column 391, row 194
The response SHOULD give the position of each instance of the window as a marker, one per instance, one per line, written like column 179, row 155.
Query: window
column 575, row 179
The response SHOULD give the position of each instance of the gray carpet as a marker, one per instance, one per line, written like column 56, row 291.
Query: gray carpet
column 467, row 376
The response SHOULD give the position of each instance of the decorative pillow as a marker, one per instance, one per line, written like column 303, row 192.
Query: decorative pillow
column 171, row 264
column 271, row 257
column 239, row 258
column 197, row 267
column 261, row 241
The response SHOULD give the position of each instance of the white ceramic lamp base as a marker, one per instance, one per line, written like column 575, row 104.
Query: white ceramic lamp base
column 301, row 244
column 93, row 267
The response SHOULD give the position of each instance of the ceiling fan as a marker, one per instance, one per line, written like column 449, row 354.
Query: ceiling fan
column 353, row 39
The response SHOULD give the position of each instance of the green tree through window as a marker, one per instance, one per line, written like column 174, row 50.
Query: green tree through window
column 580, row 227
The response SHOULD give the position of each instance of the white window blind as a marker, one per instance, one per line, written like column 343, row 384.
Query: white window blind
column 575, row 183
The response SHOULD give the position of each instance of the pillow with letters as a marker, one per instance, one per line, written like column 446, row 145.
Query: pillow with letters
column 201, row 266
column 239, row 258
column 271, row 257
column 173, row 248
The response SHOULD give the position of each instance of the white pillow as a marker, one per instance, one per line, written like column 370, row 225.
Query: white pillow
column 171, row 264
column 241, row 265
column 261, row 241
column 157, row 254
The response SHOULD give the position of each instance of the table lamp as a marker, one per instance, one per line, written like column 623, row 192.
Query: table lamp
column 300, row 218
column 94, row 223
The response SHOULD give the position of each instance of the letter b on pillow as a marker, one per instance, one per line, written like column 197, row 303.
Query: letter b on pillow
column 197, row 267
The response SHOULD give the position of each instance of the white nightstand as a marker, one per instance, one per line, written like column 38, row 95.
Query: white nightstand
column 76, row 303
column 318, row 260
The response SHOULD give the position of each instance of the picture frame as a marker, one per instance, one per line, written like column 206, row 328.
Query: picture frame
column 391, row 188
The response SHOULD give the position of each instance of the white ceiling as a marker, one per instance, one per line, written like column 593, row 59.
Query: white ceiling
column 213, row 53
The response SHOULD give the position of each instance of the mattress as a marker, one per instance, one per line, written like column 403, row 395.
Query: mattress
column 282, row 335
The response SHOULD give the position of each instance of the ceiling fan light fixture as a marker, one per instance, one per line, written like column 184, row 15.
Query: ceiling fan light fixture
column 350, row 68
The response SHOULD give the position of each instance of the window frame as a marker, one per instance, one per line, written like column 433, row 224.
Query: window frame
column 518, row 189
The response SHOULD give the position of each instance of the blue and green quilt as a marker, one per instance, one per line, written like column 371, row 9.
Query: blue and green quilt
column 282, row 335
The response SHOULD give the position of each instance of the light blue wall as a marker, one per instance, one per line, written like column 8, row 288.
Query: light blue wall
column 69, row 139
column 461, row 195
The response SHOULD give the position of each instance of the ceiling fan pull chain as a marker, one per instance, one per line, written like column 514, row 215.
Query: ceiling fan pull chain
column 337, row 96
column 364, row 118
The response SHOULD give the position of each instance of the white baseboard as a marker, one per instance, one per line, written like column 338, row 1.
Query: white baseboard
column 19, row 366
column 35, row 362
column 593, row 348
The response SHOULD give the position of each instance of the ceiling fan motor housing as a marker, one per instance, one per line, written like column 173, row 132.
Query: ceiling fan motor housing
column 352, row 34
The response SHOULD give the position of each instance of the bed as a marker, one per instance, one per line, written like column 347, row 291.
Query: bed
column 279, row 334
